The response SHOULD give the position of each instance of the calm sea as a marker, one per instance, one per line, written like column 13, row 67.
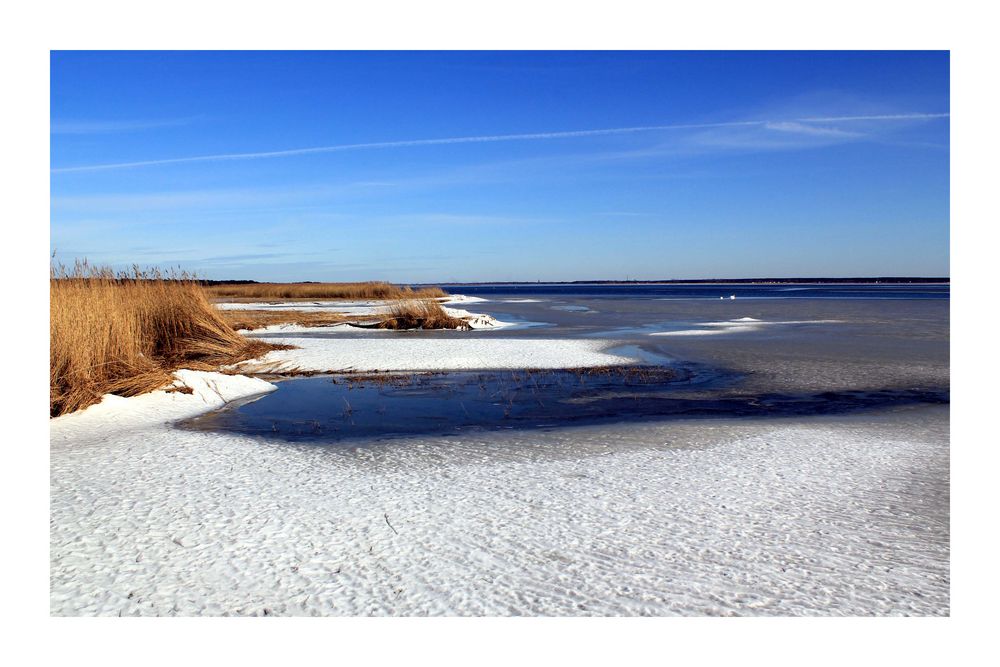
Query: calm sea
column 714, row 291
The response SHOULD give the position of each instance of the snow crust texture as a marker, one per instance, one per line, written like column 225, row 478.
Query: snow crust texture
column 830, row 517
column 399, row 352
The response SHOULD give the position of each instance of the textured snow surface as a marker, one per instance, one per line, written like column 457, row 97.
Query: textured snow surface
column 399, row 352
column 115, row 416
column 820, row 518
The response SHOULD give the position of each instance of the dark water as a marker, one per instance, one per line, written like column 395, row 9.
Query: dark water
column 343, row 408
column 818, row 350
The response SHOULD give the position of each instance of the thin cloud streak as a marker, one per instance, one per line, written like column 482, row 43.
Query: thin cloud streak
column 812, row 130
column 494, row 138
column 114, row 126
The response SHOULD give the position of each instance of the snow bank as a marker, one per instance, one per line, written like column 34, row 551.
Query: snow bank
column 476, row 320
column 115, row 413
column 400, row 353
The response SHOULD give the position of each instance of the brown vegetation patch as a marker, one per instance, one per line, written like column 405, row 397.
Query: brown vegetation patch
column 257, row 319
column 367, row 290
column 383, row 378
column 638, row 374
column 125, row 333
column 419, row 314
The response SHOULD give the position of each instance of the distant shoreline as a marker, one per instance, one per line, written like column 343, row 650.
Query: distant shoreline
column 888, row 280
column 723, row 281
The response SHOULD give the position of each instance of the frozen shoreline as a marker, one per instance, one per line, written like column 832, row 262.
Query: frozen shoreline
column 830, row 516
column 364, row 308
column 117, row 417
column 806, row 516
column 334, row 349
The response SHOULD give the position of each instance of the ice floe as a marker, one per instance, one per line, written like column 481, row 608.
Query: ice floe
column 738, row 325
column 461, row 298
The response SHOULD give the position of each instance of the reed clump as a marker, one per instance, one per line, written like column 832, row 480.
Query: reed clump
column 420, row 314
column 124, row 333
column 366, row 290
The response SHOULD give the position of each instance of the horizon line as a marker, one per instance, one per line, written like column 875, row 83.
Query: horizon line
column 597, row 281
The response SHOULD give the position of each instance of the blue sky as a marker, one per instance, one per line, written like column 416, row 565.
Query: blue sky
column 436, row 167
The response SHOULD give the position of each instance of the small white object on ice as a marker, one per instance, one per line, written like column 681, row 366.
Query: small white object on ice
column 476, row 320
column 732, row 296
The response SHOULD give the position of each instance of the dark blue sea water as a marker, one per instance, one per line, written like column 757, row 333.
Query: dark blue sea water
column 333, row 409
column 713, row 291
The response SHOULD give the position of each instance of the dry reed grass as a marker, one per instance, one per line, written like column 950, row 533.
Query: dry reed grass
column 256, row 319
column 124, row 333
column 367, row 290
column 420, row 314
column 405, row 314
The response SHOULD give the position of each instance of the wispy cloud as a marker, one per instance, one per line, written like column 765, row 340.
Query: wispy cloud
column 786, row 124
column 115, row 126
column 621, row 214
column 434, row 219
column 794, row 127
column 215, row 199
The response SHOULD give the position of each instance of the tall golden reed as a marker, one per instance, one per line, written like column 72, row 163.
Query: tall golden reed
column 124, row 333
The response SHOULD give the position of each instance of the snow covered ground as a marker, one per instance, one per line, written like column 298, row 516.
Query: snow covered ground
column 397, row 352
column 476, row 320
column 827, row 517
column 125, row 416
